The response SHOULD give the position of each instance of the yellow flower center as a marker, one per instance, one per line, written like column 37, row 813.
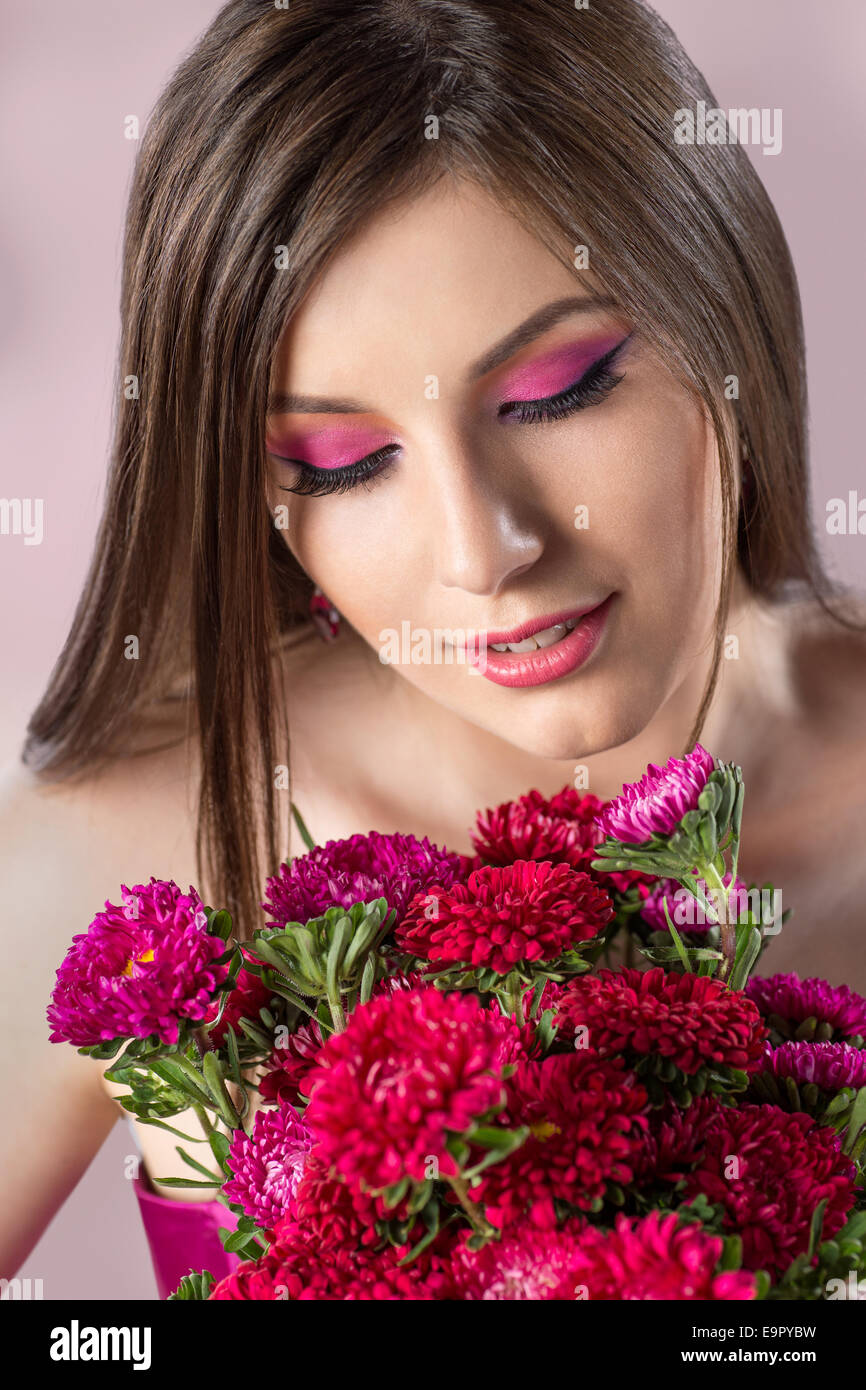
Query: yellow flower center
column 135, row 960
column 544, row 1129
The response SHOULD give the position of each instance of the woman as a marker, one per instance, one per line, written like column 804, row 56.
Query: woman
column 432, row 330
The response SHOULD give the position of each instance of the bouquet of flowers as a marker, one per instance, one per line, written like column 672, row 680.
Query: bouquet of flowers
column 430, row 1076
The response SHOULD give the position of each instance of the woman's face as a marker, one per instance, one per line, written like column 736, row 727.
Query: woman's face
column 479, row 466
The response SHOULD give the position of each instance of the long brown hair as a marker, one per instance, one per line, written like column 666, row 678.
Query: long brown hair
column 287, row 127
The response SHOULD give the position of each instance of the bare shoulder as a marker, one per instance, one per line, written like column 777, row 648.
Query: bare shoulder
column 68, row 845
column 828, row 665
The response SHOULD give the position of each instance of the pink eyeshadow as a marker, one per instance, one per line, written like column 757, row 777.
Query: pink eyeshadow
column 328, row 448
column 555, row 371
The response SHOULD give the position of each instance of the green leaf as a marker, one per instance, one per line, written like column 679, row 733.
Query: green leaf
column 304, row 832
column 187, row 1182
column 816, row 1227
column 396, row 1192
column 234, row 1059
column 857, row 1121
column 199, row 1167
column 339, row 945
column 677, row 939
column 216, row 1085
column 161, row 1124
column 193, row 1288
column 368, row 980
column 749, row 941
column 220, row 1146
column 182, row 1076
column 220, row 924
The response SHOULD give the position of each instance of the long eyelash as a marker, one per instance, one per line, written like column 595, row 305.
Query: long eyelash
column 323, row 482
column 593, row 387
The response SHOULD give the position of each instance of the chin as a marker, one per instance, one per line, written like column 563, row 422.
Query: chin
column 574, row 728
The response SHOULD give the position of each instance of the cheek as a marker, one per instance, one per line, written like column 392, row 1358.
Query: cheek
column 356, row 548
column 648, row 478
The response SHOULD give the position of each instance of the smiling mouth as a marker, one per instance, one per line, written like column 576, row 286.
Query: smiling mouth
column 547, row 637
column 534, row 635
column 542, row 650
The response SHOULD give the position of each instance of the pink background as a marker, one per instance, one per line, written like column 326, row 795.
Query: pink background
column 69, row 76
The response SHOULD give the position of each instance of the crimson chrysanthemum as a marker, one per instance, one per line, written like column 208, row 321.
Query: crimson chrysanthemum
column 673, row 1140
column 338, row 1215
column 657, row 803
column 285, row 1075
column 411, row 1070
column 793, row 1000
column 296, row 1268
column 586, row 1120
column 653, row 1257
column 769, row 1171
column 268, row 1164
column 504, row 917
column 693, row 1019
column 140, row 968
column 359, row 869
column 563, row 830
column 248, row 996
column 526, row 1264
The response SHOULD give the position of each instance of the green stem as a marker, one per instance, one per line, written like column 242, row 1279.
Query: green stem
column 204, row 1120
column 476, row 1220
column 338, row 1017
column 729, row 934
column 515, row 998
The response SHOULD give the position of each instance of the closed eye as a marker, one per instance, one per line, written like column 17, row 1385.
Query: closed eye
column 592, row 388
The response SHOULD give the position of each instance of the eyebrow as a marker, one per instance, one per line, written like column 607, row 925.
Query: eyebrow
column 282, row 403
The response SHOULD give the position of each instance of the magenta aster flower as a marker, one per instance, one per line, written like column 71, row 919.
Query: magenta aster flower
column 268, row 1164
column 652, row 1257
column 795, row 1000
column 364, row 867
column 139, row 969
column 670, row 891
column 830, row 1066
column 693, row 1019
column 657, row 803
column 768, row 1171
column 506, row 916
column 411, row 1069
column 586, row 1122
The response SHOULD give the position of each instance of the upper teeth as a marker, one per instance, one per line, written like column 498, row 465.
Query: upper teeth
column 545, row 638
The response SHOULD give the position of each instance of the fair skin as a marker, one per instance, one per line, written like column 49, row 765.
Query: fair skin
column 471, row 527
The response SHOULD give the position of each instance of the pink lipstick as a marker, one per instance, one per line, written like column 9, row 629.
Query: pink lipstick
column 547, row 648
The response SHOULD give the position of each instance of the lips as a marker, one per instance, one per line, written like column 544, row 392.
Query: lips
column 547, row 648
column 534, row 627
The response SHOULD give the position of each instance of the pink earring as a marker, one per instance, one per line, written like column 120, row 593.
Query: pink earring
column 324, row 616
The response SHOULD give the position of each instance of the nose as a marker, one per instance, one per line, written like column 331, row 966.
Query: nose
column 486, row 529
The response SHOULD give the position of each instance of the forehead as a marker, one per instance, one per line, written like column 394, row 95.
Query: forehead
column 447, row 272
